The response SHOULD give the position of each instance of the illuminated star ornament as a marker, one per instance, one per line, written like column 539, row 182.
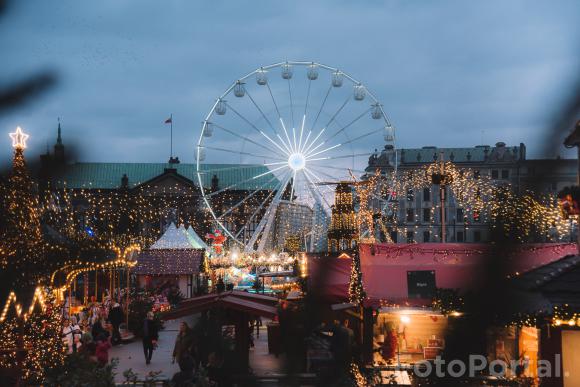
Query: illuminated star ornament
column 19, row 138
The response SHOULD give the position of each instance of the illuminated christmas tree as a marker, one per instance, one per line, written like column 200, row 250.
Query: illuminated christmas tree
column 30, row 340
column 22, row 261
column 356, row 292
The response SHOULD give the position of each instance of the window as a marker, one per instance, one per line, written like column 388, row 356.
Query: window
column 460, row 236
column 459, row 215
column 410, row 237
column 505, row 174
column 426, row 195
column 410, row 215
column 394, row 236
column 494, row 173
column 426, row 214
column 410, row 195
column 426, row 236
column 477, row 236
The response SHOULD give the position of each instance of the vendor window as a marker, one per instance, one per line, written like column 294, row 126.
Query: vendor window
column 410, row 215
column 410, row 237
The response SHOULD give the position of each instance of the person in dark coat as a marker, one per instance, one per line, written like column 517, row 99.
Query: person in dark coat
column 99, row 328
column 150, row 337
column 185, row 377
column 116, row 318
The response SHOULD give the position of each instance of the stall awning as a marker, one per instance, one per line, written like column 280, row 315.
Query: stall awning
column 169, row 262
column 386, row 268
column 254, row 304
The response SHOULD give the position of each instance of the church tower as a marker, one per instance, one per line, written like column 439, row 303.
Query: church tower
column 59, row 147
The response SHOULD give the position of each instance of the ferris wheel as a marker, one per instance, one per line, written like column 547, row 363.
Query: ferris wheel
column 270, row 140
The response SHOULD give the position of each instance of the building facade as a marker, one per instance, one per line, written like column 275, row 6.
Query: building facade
column 418, row 219
column 170, row 191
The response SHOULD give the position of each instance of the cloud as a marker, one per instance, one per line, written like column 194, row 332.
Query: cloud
column 444, row 71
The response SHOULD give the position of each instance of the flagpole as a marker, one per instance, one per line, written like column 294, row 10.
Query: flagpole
column 171, row 146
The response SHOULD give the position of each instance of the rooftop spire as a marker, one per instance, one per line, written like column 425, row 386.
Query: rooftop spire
column 58, row 138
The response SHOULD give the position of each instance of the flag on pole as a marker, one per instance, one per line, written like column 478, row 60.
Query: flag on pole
column 169, row 120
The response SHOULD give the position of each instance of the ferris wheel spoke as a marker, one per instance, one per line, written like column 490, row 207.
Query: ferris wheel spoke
column 276, row 189
column 314, row 141
column 310, row 155
column 337, row 112
column 286, row 133
column 307, row 98
column 342, row 157
column 247, row 198
column 305, row 141
column 261, row 132
column 318, row 179
column 336, row 168
column 291, row 103
column 314, row 186
column 299, row 147
column 241, row 153
column 261, row 112
column 362, row 136
column 244, row 181
column 237, row 166
column 246, row 138
column 286, row 152
column 274, row 101
column 265, row 224
column 348, row 125
column 321, row 106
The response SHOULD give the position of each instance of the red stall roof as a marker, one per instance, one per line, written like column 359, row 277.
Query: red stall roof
column 255, row 304
column 385, row 267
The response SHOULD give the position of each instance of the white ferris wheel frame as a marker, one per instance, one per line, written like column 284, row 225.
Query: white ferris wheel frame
column 271, row 209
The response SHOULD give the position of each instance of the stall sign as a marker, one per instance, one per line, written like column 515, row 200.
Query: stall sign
column 421, row 283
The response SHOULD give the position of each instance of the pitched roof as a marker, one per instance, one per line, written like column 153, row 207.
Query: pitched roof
column 175, row 238
column 168, row 262
column 258, row 305
column 556, row 283
column 195, row 239
column 108, row 175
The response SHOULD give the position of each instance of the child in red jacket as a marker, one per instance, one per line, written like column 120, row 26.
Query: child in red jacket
column 102, row 350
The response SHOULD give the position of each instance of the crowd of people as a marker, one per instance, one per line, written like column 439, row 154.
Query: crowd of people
column 93, row 330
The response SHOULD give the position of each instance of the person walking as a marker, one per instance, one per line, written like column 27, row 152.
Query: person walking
column 68, row 335
column 183, row 342
column 150, row 337
column 116, row 318
column 102, row 350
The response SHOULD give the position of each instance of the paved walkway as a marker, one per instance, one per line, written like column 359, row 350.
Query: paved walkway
column 131, row 355
column 261, row 362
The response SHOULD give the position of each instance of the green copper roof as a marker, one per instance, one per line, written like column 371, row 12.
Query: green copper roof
column 109, row 175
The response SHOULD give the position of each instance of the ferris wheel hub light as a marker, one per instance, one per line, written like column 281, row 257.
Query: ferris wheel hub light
column 297, row 161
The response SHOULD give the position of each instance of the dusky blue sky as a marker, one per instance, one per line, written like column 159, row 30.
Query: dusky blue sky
column 449, row 73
